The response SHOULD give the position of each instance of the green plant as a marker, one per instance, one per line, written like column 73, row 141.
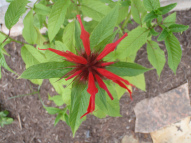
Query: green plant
column 62, row 39
column 4, row 120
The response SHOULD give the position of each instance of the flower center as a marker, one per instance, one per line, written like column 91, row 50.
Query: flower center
column 91, row 65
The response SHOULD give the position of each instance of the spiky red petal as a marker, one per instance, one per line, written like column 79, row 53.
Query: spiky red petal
column 111, row 75
column 68, row 55
column 123, row 86
column 84, row 36
column 73, row 75
column 102, row 85
column 107, row 64
column 110, row 47
column 92, row 90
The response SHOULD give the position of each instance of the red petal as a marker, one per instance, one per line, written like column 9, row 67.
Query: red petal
column 67, row 74
column 102, row 85
column 84, row 36
column 91, row 106
column 68, row 55
column 110, row 47
column 111, row 75
column 77, row 59
column 123, row 86
column 92, row 90
column 107, row 64
column 75, row 74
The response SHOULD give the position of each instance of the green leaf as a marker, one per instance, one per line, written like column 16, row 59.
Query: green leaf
column 39, row 20
column 151, row 4
column 61, row 116
column 95, row 9
column 132, row 43
column 2, row 38
column 113, row 106
column 119, row 91
column 14, row 12
column 101, row 104
column 174, row 52
column 79, row 104
column 138, row 81
column 123, row 13
column 57, row 99
column 127, row 69
column 32, row 56
column 65, row 92
column 159, row 19
column 167, row 8
column 156, row 56
column 61, row 46
column 4, row 113
column 42, row 9
column 47, row 70
column 77, row 34
column 106, row 106
column 40, row 38
column 69, row 36
column 99, row 113
column 106, row 41
column 138, row 11
column 52, row 110
column 104, row 28
column 163, row 35
column 51, row 56
column 150, row 16
column 153, row 32
column 178, row 28
column 4, row 120
column 169, row 20
column 29, row 31
column 58, row 117
column 3, row 63
column 57, row 17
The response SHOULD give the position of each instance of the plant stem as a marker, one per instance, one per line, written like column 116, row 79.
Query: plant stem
column 127, row 19
column 36, row 2
column 8, row 37
column 120, row 31
column 29, row 7
column 23, row 95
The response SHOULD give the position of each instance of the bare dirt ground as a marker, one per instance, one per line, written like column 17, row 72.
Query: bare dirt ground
column 33, row 125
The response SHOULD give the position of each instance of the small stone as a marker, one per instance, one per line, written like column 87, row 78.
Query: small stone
column 87, row 134
column 129, row 139
column 127, row 127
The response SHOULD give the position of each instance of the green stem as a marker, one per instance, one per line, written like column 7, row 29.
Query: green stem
column 120, row 31
column 29, row 7
column 23, row 95
column 12, row 38
column 36, row 2
column 126, row 21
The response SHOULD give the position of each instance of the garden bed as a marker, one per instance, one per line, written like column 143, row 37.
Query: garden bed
column 33, row 125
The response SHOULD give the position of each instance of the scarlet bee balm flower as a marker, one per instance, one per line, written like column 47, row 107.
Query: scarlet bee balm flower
column 90, row 67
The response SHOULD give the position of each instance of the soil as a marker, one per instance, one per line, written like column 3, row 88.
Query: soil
column 32, row 124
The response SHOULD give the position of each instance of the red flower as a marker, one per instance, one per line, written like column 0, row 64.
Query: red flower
column 90, row 67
